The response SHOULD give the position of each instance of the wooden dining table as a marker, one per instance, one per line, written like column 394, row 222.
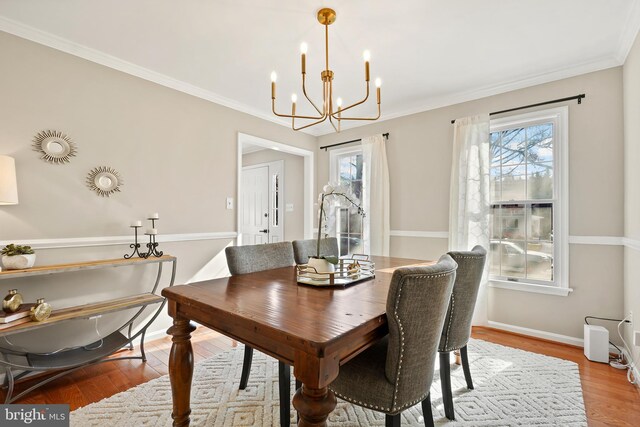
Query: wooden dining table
column 314, row 329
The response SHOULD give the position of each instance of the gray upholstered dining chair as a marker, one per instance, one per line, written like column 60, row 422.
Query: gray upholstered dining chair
column 396, row 373
column 252, row 259
column 457, row 324
column 303, row 249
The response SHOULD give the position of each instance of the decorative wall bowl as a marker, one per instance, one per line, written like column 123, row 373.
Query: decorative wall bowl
column 17, row 262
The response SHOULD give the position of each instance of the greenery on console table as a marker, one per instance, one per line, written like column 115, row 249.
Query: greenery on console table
column 12, row 250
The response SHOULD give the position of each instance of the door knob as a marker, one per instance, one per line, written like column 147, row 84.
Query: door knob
column 263, row 231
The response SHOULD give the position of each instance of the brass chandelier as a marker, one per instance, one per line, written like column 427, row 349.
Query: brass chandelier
column 326, row 17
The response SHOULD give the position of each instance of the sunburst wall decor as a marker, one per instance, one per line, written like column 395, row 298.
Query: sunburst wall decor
column 55, row 146
column 104, row 180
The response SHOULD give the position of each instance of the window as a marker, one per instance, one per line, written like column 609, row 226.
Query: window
column 529, row 248
column 346, row 168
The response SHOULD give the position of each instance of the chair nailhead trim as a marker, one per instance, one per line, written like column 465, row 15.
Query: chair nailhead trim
column 380, row 408
column 453, row 304
column 395, row 394
column 364, row 404
column 395, row 315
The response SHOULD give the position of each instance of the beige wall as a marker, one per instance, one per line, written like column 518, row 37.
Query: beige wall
column 632, row 190
column 419, row 154
column 293, row 187
column 176, row 154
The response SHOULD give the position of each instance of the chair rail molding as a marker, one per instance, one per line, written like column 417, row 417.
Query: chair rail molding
column 425, row 234
column 574, row 240
column 631, row 244
column 81, row 242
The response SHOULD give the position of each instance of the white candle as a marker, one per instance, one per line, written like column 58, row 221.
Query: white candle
column 153, row 216
column 151, row 231
column 136, row 224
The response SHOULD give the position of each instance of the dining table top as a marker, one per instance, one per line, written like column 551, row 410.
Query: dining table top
column 310, row 318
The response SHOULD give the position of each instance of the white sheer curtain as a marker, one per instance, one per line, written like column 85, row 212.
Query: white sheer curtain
column 376, row 195
column 469, row 203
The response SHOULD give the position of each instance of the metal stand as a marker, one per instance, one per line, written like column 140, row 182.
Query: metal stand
column 152, row 245
column 135, row 246
column 68, row 361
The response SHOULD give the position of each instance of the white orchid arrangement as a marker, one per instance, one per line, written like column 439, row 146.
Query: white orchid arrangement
column 331, row 193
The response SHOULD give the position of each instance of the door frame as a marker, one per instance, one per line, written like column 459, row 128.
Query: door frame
column 308, row 157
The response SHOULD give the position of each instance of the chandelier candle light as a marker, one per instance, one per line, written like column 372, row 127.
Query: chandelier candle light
column 326, row 17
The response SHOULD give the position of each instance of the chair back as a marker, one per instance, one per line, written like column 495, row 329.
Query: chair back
column 253, row 258
column 416, row 306
column 457, row 325
column 303, row 249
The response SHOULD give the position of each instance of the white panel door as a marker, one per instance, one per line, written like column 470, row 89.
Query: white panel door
column 255, row 205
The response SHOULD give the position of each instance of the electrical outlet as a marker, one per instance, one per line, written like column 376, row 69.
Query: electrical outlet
column 636, row 338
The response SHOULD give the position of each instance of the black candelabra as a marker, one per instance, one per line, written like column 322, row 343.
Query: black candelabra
column 152, row 246
column 135, row 246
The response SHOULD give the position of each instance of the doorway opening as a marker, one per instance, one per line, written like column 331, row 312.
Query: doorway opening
column 275, row 191
column 263, row 190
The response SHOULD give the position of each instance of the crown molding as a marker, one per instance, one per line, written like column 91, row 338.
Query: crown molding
column 454, row 98
column 67, row 46
column 47, row 39
column 629, row 32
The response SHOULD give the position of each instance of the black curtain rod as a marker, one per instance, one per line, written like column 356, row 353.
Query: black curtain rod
column 554, row 101
column 386, row 135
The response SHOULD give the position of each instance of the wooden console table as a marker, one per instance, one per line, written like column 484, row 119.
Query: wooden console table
column 69, row 360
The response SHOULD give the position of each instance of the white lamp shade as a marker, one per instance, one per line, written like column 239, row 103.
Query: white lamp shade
column 8, row 184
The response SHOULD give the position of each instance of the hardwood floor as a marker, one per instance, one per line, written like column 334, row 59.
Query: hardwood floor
column 609, row 399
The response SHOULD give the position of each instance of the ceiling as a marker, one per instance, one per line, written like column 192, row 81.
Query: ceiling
column 428, row 53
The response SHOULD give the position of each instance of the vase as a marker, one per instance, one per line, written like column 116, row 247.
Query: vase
column 321, row 266
column 17, row 262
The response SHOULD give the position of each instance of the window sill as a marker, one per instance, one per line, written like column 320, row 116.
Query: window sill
column 530, row 287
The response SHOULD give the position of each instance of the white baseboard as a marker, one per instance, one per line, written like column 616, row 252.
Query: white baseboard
column 551, row 336
column 150, row 336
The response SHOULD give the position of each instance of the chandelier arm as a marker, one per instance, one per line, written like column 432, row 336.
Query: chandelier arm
column 330, row 105
column 273, row 108
column 311, row 124
column 304, row 91
column 332, row 124
column 352, row 105
column 363, row 118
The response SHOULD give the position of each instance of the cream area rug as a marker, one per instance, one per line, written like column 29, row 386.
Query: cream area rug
column 512, row 388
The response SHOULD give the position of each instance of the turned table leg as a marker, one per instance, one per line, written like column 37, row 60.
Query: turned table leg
column 314, row 405
column 181, row 370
